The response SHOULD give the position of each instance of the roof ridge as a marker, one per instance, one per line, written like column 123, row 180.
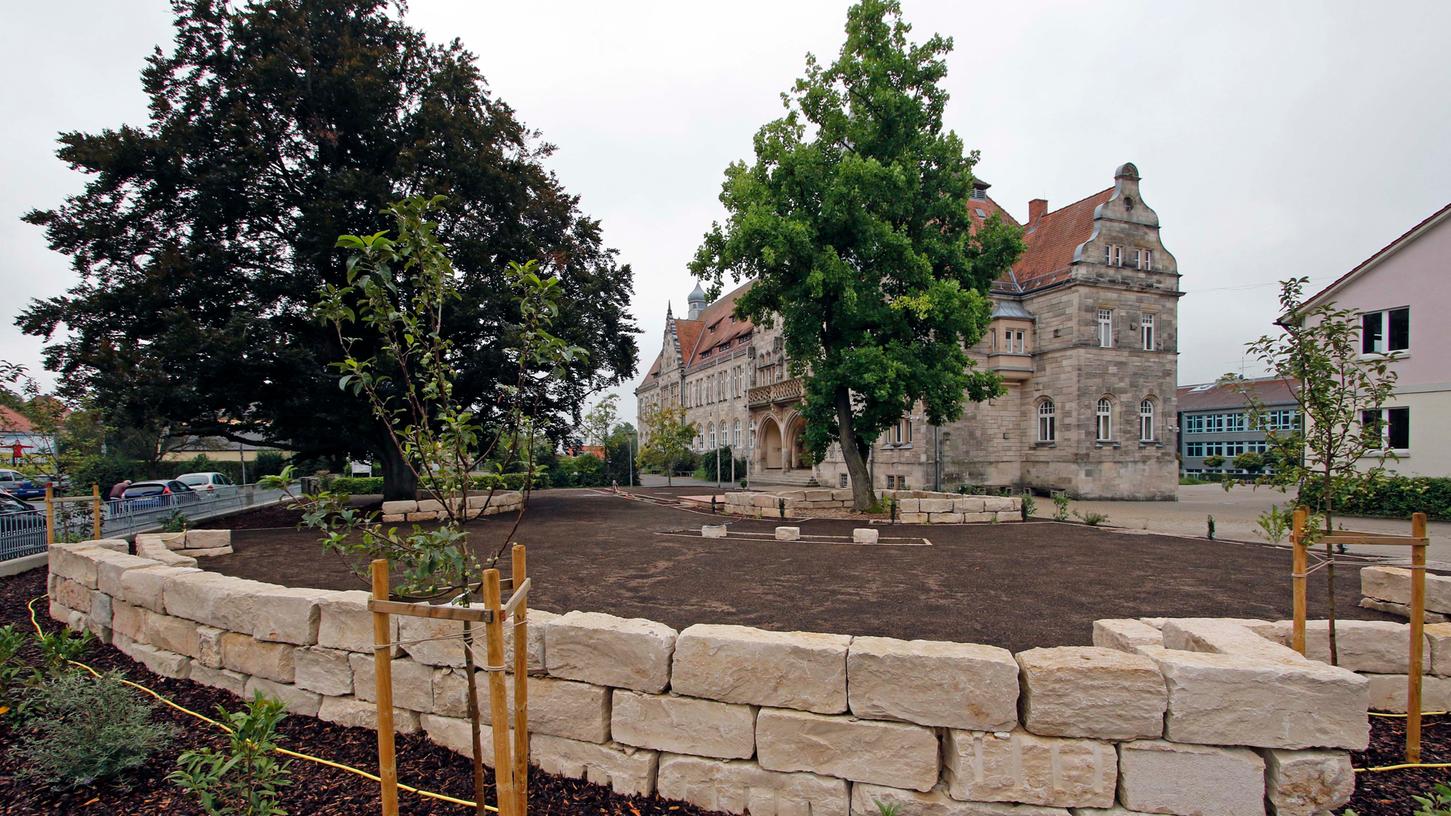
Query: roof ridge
column 1107, row 189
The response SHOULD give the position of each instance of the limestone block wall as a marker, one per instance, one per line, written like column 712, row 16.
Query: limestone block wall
column 913, row 506
column 481, row 504
column 1388, row 589
column 776, row 723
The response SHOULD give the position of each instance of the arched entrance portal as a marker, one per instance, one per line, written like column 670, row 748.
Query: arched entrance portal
column 768, row 442
column 793, row 451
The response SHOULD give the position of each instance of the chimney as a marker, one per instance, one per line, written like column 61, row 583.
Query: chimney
column 1036, row 208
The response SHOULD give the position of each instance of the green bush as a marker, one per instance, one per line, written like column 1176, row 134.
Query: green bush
column 357, row 485
column 1389, row 497
column 84, row 728
column 246, row 779
column 585, row 470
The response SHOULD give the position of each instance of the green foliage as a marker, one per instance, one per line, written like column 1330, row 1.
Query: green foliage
column 1388, row 497
column 1030, row 506
column 887, row 808
column 176, row 522
column 1275, row 523
column 60, row 647
column 854, row 223
column 1213, row 461
column 1438, row 803
column 1060, row 506
column 84, row 728
column 356, row 485
column 1250, row 461
column 705, row 470
column 15, row 675
column 585, row 470
column 246, row 779
column 1090, row 518
column 599, row 422
column 665, row 444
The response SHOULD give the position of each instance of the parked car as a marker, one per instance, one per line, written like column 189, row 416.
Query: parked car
column 62, row 483
column 22, row 527
column 206, row 481
column 157, row 493
column 21, row 486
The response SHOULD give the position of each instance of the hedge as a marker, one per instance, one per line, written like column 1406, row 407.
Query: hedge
column 369, row 485
column 1390, row 497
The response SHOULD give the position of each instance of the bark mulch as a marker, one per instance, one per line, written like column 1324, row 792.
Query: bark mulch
column 1390, row 792
column 315, row 791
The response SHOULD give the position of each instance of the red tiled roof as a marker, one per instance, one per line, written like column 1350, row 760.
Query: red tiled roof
column 1211, row 396
column 654, row 371
column 1381, row 253
column 1052, row 240
column 13, row 421
column 718, row 327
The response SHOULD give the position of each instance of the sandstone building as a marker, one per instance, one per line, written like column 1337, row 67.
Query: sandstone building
column 1083, row 332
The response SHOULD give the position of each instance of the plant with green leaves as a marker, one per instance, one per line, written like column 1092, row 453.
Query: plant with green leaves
column 1091, row 518
column 1341, row 441
column 1274, row 523
column 60, row 648
column 247, row 778
column 1030, row 506
column 82, row 728
column 176, row 522
column 666, row 441
column 15, row 675
column 1060, row 506
column 854, row 223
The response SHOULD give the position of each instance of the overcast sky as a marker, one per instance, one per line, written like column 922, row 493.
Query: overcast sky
column 1274, row 139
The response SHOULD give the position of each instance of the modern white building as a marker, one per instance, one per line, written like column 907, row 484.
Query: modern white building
column 1403, row 296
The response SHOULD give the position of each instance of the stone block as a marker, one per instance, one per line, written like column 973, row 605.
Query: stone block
column 738, row 664
column 1306, row 783
column 841, row 494
column 412, row 682
column 788, row 533
column 421, row 516
column 400, row 506
column 355, row 713
column 682, row 724
column 848, row 748
column 1125, row 634
column 1002, row 504
column 1438, row 638
column 912, row 518
column 394, row 518
column 968, row 504
column 1394, row 584
column 209, row 646
column 1382, row 647
column 288, row 614
column 74, row 561
column 207, row 539
column 935, row 505
column 626, row 770
column 172, row 541
column 453, row 733
column 561, row 708
column 1022, row 767
column 955, row 685
column 160, row 661
column 1193, row 780
column 100, row 617
column 271, row 661
column 223, row 679
column 117, row 545
column 1091, row 692
column 945, row 518
column 979, row 518
column 110, row 569
column 869, row 800
column 1223, row 636
column 216, row 600
column 1388, row 692
column 1401, row 610
column 417, row 636
column 211, row 553
column 712, row 531
column 297, row 701
column 145, row 586
column 325, row 671
column 172, row 634
column 606, row 650
column 72, row 595
column 344, row 622
column 127, row 620
column 738, row 786
column 1219, row 699
column 430, row 506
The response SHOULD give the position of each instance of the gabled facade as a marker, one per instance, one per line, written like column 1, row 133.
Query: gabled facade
column 1084, row 334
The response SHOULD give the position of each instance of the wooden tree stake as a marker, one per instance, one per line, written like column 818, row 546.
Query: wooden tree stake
column 95, row 511
column 498, row 701
column 383, row 681
column 1418, row 621
column 521, row 689
column 1298, row 578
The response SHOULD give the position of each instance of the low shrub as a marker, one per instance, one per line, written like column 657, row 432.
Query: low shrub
column 1090, row 518
column 1060, row 506
column 1389, row 497
column 357, row 485
column 246, row 779
column 84, row 728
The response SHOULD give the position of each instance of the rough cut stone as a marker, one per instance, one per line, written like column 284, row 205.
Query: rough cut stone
column 956, row 685
column 216, row 600
column 453, row 733
column 159, row 661
column 74, row 561
column 72, row 594
column 1221, row 636
column 358, row 714
column 271, row 661
column 1306, row 783
column 344, row 622
column 1388, row 692
column 1192, row 780
column 845, row 747
column 400, row 506
column 144, row 586
column 606, row 650
column 110, row 569
column 869, row 800
column 223, row 679
column 788, row 533
column 864, row 535
column 1394, row 584
column 626, row 770
column 209, row 646
column 1026, row 768
column 1438, row 638
column 297, row 701
column 561, row 708
column 208, row 539
column 738, row 786
column 1382, row 647
column 1217, row 699
column 325, row 671
column 1125, row 634
column 713, row 531
column 416, row 636
column 288, row 615
column 1400, row 610
column 681, row 724
column 1093, row 692
column 173, row 634
column 117, row 545
column 127, row 620
column 412, row 682
column 738, row 664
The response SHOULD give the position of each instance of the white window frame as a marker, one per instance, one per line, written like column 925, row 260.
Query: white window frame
column 1047, row 425
column 1385, row 426
column 1103, row 420
column 1144, row 259
column 1383, row 317
column 1105, row 328
column 1113, row 255
column 1146, row 331
column 1146, row 420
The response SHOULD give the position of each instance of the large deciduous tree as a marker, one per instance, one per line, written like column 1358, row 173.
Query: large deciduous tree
column 853, row 220
column 203, row 236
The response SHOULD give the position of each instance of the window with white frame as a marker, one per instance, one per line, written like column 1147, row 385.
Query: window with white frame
column 1387, row 428
column 1047, row 421
column 736, row 434
column 1105, row 328
column 1382, row 332
column 1144, row 259
column 1146, row 420
column 902, row 432
column 710, row 434
column 1103, row 420
column 1113, row 255
column 1146, row 330
column 1018, row 341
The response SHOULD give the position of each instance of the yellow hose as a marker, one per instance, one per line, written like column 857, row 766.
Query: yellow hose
column 1423, row 714
column 283, row 751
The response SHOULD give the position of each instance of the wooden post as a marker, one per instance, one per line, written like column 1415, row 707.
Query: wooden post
column 521, row 687
column 383, row 677
column 49, row 515
column 1418, row 620
column 1300, row 565
column 95, row 511
column 498, row 702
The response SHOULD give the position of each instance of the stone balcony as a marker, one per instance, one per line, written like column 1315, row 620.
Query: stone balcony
column 1011, row 367
column 774, row 393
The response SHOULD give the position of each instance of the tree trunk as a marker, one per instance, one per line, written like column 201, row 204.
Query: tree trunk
column 399, row 483
column 863, row 498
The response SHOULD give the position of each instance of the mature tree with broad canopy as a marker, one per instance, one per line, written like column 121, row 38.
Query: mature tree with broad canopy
column 203, row 236
column 854, row 223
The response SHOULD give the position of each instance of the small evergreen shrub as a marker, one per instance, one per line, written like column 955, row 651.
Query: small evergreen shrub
column 247, row 779
column 84, row 728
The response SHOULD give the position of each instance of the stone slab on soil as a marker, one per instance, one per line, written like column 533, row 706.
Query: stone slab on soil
column 1307, row 783
column 954, row 685
column 606, row 650
column 1224, row 637
column 1191, row 780
column 1388, row 693
column 1125, row 634
column 1092, row 692
column 325, row 671
column 355, row 713
column 412, row 682
column 624, row 769
column 868, row 800
column 1394, row 584
column 680, row 724
column 848, row 748
column 1382, row 647
column 345, row 623
column 739, row 786
column 1023, row 767
column 739, row 664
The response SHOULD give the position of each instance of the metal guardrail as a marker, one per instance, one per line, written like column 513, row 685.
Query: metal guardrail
column 75, row 519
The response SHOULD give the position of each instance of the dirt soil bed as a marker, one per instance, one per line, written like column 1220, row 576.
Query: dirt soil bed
column 315, row 791
column 1014, row 585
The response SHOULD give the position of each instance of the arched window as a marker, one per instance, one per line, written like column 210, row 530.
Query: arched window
column 1047, row 427
column 1146, row 421
column 736, row 434
column 1103, row 415
column 710, row 434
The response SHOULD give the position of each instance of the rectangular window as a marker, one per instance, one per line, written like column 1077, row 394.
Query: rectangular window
column 1105, row 328
column 1146, row 327
column 1113, row 255
column 842, row 480
column 1194, row 449
column 1387, row 428
column 1382, row 332
column 1020, row 342
column 891, row 481
column 1145, row 259
column 901, row 482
